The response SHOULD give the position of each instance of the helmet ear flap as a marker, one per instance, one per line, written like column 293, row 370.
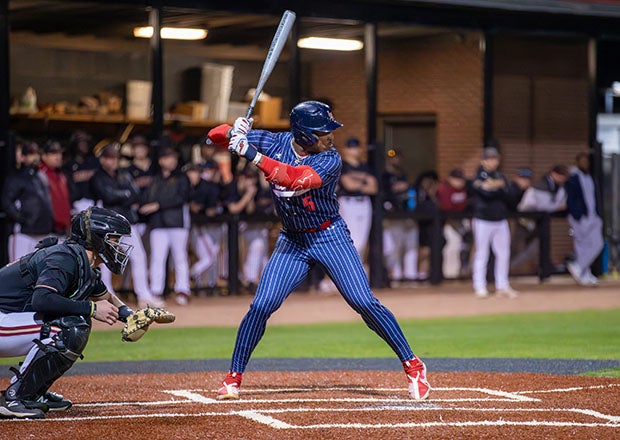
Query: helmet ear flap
column 304, row 138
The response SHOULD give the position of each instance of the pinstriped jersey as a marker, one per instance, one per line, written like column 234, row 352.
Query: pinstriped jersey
column 308, row 208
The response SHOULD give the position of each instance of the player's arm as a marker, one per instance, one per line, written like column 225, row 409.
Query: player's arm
column 289, row 176
column 104, row 299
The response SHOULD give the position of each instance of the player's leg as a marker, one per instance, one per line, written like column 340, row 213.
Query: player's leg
column 285, row 271
column 181, row 265
column 256, row 241
column 411, row 241
column 48, row 360
column 451, row 252
column 481, row 230
column 202, row 244
column 500, row 244
column 392, row 246
column 335, row 250
column 21, row 244
column 159, row 244
column 591, row 244
column 139, row 270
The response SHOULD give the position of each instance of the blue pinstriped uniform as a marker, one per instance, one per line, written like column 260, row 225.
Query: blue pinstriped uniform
column 295, row 251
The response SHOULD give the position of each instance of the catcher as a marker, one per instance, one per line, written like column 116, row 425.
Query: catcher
column 47, row 301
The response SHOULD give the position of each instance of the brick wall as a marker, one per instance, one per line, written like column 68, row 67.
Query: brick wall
column 540, row 99
column 439, row 75
column 541, row 110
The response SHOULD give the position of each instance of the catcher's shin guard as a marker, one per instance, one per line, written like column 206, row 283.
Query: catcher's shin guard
column 51, row 361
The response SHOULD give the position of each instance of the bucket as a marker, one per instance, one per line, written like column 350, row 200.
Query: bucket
column 139, row 99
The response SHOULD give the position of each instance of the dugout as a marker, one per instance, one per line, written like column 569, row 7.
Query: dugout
column 527, row 74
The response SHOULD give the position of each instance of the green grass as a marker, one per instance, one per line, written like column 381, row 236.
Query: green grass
column 566, row 335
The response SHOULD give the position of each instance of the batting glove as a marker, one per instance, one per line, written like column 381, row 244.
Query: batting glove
column 242, row 125
column 239, row 145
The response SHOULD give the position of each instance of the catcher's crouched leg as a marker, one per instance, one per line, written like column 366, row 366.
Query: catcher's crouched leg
column 48, row 363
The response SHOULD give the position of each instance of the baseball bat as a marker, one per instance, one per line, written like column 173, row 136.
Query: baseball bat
column 279, row 39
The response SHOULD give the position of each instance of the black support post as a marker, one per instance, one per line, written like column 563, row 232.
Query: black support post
column 488, row 130
column 376, row 155
column 157, row 94
column 6, row 155
column 294, row 67
column 233, row 254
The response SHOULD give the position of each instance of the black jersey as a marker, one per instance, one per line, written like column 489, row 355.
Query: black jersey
column 62, row 269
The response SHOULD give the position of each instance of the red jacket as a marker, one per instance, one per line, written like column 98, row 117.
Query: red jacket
column 450, row 198
column 59, row 194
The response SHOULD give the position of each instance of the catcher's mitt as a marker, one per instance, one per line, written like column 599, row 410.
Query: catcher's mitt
column 140, row 320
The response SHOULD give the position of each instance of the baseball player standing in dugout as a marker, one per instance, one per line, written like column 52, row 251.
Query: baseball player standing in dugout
column 303, row 169
column 47, row 300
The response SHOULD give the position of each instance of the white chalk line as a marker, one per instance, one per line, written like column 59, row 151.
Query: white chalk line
column 571, row 389
column 262, row 415
column 506, row 395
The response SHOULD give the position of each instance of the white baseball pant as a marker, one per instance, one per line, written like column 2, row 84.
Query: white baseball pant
column 400, row 248
column 173, row 240
column 207, row 243
column 17, row 330
column 357, row 214
column 451, row 252
column 493, row 235
column 256, row 237
column 587, row 240
column 22, row 244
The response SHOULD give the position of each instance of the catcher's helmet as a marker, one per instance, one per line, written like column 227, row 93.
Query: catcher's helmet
column 101, row 230
column 309, row 117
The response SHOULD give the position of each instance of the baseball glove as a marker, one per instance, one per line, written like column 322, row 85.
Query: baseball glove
column 139, row 321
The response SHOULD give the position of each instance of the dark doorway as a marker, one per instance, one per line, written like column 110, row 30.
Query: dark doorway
column 416, row 137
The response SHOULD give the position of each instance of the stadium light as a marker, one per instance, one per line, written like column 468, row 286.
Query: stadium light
column 329, row 43
column 170, row 33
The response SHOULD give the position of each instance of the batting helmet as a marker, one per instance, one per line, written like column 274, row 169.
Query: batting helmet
column 310, row 117
column 101, row 230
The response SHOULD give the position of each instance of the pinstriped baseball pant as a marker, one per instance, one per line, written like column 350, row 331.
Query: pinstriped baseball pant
column 288, row 266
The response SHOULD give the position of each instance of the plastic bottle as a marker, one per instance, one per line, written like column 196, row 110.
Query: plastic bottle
column 411, row 199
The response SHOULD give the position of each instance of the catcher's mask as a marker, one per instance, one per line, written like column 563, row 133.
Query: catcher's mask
column 102, row 230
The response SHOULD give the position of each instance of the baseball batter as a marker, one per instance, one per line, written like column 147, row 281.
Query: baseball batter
column 303, row 169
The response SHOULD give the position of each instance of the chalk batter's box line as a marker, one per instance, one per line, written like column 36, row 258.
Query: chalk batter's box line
column 262, row 415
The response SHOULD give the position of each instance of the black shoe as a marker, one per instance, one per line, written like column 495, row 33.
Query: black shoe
column 55, row 401
column 16, row 409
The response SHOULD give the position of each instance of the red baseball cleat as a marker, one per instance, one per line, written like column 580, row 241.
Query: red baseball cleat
column 230, row 387
column 419, row 388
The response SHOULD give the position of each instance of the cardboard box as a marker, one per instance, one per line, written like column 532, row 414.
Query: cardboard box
column 269, row 111
column 195, row 110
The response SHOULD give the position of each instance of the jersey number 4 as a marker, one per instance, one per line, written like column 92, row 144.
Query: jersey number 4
column 309, row 203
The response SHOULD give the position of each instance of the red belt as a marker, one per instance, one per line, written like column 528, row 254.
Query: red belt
column 323, row 226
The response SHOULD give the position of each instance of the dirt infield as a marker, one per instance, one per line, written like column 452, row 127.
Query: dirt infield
column 331, row 405
column 339, row 404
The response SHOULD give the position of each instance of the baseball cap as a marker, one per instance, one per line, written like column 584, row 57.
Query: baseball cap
column 30, row 148
column 457, row 173
column 191, row 167
column 353, row 142
column 52, row 146
column 167, row 151
column 524, row 172
column 139, row 140
column 107, row 149
column 489, row 152
column 562, row 170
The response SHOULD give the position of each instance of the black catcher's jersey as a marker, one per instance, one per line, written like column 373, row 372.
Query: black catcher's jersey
column 64, row 267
